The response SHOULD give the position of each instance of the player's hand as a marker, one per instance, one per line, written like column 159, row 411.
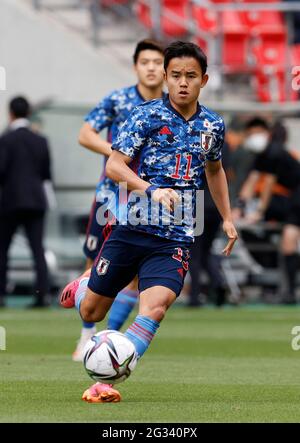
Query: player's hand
column 166, row 196
column 230, row 231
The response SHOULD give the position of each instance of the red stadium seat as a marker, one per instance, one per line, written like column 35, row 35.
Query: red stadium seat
column 234, row 39
column 274, row 77
column 235, row 42
column 267, row 20
column 295, row 54
column 270, row 50
column 143, row 14
column 180, row 9
column 270, row 63
column 168, row 26
column 270, row 87
column 267, row 26
column 295, row 61
column 261, row 34
column 205, row 19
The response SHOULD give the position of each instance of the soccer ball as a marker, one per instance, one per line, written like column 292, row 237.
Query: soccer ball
column 109, row 357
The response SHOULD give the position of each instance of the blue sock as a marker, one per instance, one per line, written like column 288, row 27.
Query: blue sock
column 79, row 296
column 80, row 293
column 87, row 325
column 141, row 333
column 121, row 308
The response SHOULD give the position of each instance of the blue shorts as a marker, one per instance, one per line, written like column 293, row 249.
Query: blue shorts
column 126, row 253
column 95, row 234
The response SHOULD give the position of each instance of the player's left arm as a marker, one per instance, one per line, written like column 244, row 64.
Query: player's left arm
column 218, row 187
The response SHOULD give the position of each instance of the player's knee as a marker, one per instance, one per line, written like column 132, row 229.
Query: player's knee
column 157, row 313
column 91, row 315
column 86, row 315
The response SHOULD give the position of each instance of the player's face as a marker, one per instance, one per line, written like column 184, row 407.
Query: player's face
column 150, row 68
column 184, row 80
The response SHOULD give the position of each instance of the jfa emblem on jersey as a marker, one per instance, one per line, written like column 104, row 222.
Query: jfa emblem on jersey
column 102, row 266
column 206, row 140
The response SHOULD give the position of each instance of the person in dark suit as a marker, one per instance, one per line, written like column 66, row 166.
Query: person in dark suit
column 24, row 168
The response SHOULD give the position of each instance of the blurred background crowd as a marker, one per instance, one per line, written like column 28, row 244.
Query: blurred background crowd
column 63, row 56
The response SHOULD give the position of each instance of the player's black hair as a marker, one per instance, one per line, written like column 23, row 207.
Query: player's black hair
column 19, row 107
column 185, row 49
column 257, row 122
column 147, row 43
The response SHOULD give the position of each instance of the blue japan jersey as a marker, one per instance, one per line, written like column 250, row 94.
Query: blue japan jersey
column 111, row 113
column 169, row 152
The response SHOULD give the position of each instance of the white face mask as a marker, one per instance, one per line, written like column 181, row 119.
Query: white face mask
column 256, row 143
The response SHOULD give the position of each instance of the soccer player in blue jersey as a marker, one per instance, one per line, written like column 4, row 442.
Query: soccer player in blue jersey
column 110, row 114
column 174, row 141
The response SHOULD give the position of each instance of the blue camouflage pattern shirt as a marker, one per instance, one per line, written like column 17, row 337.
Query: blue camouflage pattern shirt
column 111, row 112
column 169, row 152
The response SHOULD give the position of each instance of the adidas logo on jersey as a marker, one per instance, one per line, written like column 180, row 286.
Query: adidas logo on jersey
column 165, row 131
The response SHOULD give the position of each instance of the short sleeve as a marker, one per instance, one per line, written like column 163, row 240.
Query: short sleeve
column 133, row 133
column 103, row 114
column 215, row 153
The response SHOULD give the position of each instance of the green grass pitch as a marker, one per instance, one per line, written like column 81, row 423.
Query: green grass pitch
column 205, row 365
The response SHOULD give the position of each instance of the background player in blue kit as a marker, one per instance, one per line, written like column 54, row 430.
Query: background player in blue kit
column 111, row 113
column 173, row 140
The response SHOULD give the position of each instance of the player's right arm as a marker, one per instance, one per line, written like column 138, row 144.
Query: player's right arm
column 130, row 142
column 118, row 170
column 99, row 118
column 89, row 138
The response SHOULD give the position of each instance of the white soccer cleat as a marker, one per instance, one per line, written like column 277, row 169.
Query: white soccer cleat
column 86, row 334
